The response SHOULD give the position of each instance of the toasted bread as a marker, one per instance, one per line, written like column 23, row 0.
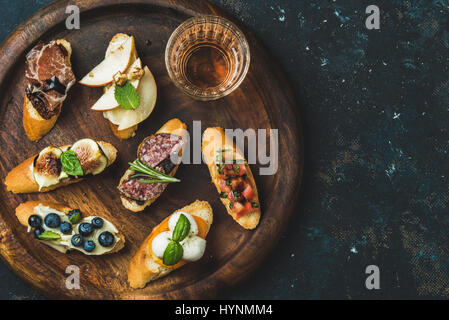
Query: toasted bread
column 173, row 126
column 213, row 140
column 123, row 134
column 143, row 268
column 26, row 209
column 35, row 126
column 21, row 180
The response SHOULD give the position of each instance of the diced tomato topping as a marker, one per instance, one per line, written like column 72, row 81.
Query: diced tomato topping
column 241, row 210
column 248, row 192
column 231, row 170
column 223, row 186
column 232, row 196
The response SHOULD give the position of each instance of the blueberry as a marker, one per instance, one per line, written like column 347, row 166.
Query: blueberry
column 89, row 246
column 37, row 232
column 34, row 221
column 85, row 229
column 75, row 216
column 77, row 240
column 52, row 220
column 106, row 239
column 65, row 228
column 97, row 222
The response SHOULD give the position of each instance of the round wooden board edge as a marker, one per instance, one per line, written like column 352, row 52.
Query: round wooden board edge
column 50, row 16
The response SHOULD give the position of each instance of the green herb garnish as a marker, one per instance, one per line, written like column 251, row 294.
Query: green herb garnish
column 49, row 235
column 182, row 229
column 146, row 171
column 255, row 205
column 223, row 195
column 75, row 216
column 127, row 96
column 174, row 251
column 231, row 205
column 70, row 163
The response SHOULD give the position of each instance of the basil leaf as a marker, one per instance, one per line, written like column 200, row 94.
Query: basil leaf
column 127, row 96
column 74, row 216
column 182, row 229
column 172, row 254
column 70, row 163
column 49, row 235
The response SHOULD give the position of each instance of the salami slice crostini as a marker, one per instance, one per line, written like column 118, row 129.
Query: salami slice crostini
column 64, row 228
column 232, row 177
column 178, row 239
column 158, row 159
column 56, row 167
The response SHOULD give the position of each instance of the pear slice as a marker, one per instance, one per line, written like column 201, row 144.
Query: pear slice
column 118, row 59
column 147, row 91
column 107, row 100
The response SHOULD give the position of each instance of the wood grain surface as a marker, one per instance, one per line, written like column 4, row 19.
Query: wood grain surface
column 264, row 100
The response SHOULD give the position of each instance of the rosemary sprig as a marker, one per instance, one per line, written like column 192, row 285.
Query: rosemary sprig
column 145, row 171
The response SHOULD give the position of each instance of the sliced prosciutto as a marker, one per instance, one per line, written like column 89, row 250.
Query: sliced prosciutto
column 49, row 77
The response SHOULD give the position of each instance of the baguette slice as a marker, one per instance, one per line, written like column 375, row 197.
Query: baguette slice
column 215, row 139
column 173, row 126
column 143, row 268
column 35, row 126
column 26, row 209
column 21, row 180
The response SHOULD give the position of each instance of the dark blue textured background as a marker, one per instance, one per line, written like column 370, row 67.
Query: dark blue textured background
column 374, row 106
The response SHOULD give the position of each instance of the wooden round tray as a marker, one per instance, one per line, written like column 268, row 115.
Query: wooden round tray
column 264, row 100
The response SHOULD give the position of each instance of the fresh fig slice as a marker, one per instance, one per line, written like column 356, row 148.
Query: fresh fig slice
column 91, row 157
column 47, row 167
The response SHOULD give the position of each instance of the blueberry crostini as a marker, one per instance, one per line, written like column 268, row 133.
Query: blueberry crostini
column 63, row 228
column 56, row 167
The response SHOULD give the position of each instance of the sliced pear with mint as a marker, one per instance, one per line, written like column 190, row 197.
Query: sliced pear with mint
column 126, row 118
column 117, row 59
column 46, row 167
column 107, row 101
column 91, row 157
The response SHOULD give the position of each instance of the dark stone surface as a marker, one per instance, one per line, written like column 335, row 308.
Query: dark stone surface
column 374, row 106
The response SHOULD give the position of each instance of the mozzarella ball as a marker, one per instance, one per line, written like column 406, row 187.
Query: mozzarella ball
column 175, row 217
column 160, row 243
column 194, row 248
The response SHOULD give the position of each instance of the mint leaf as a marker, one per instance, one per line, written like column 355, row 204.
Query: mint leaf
column 49, row 235
column 70, row 163
column 172, row 254
column 182, row 229
column 127, row 96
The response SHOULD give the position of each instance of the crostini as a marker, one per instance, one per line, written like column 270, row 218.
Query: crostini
column 232, row 177
column 130, row 91
column 64, row 228
column 56, row 167
column 49, row 77
column 158, row 154
column 177, row 240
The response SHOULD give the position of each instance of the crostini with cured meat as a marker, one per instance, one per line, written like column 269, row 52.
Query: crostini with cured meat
column 49, row 77
column 158, row 159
